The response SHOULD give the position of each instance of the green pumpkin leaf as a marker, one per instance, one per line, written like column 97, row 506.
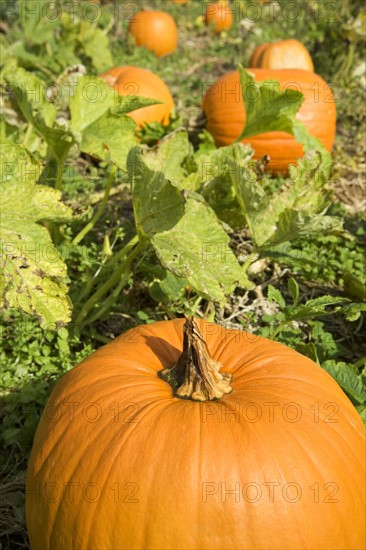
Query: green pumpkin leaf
column 158, row 205
column 110, row 138
column 292, row 224
column 168, row 288
column 31, row 95
column 93, row 98
column 186, row 234
column 33, row 274
column 95, row 44
column 98, row 114
column 169, row 157
column 348, row 379
column 311, row 143
column 229, row 184
column 267, row 108
column 299, row 208
column 197, row 249
column 126, row 104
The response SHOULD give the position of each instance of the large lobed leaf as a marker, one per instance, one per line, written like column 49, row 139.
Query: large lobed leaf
column 267, row 108
column 93, row 97
column 185, row 232
column 98, row 114
column 170, row 157
column 71, row 35
column 30, row 93
column 158, row 204
column 98, row 124
column 197, row 248
column 33, row 274
column 299, row 208
column 95, row 44
column 220, row 174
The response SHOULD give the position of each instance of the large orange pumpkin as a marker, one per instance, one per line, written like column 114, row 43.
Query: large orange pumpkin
column 285, row 54
column 120, row 461
column 141, row 82
column 155, row 31
column 219, row 15
column 225, row 114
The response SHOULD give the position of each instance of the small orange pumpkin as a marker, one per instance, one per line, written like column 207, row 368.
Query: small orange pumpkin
column 237, row 442
column 219, row 15
column 155, row 31
column 225, row 114
column 286, row 54
column 135, row 81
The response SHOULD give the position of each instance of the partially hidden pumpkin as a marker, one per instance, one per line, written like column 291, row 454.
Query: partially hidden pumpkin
column 155, row 31
column 219, row 16
column 225, row 114
column 253, row 62
column 134, row 81
column 285, row 54
column 236, row 442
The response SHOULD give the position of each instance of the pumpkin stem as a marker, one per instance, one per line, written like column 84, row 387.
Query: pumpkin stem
column 196, row 375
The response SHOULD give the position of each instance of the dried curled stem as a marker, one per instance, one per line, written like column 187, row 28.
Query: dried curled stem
column 196, row 375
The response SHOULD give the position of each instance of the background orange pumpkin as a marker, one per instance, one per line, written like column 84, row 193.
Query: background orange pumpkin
column 225, row 114
column 253, row 62
column 155, row 31
column 141, row 82
column 132, row 466
column 219, row 15
column 285, row 54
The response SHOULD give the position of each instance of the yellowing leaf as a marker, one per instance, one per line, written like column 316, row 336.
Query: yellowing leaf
column 33, row 274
